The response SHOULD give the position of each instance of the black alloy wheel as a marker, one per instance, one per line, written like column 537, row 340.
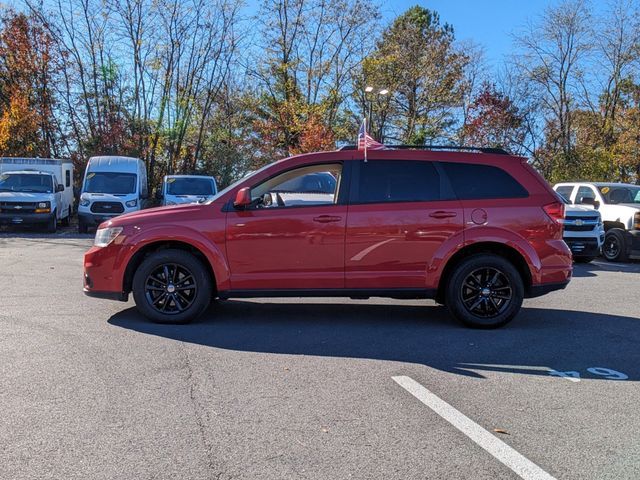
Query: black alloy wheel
column 170, row 289
column 172, row 286
column 486, row 292
column 614, row 248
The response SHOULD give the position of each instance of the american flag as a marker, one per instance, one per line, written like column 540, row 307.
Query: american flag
column 366, row 141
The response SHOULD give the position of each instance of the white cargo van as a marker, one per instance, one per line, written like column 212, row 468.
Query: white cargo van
column 112, row 186
column 36, row 191
column 177, row 189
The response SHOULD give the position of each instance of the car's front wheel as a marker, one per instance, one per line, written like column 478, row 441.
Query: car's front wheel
column 484, row 291
column 172, row 286
column 615, row 246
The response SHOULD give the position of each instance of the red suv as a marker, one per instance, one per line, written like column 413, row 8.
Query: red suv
column 477, row 231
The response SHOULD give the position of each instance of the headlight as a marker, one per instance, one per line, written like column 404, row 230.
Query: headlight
column 104, row 236
column 43, row 207
column 132, row 203
column 84, row 202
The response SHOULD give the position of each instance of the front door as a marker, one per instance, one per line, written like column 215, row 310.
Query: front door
column 292, row 237
column 400, row 215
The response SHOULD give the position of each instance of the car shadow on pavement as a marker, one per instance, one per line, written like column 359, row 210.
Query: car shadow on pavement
column 537, row 341
column 591, row 269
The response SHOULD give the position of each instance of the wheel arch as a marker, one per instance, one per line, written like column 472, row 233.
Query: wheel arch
column 496, row 248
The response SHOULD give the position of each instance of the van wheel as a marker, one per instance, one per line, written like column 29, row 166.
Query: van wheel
column 52, row 225
column 484, row 291
column 615, row 246
column 172, row 286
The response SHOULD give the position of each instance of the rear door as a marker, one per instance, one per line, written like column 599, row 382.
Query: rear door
column 401, row 212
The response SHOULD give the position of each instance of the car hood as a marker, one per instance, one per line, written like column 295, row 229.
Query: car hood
column 580, row 210
column 635, row 206
column 25, row 197
column 162, row 215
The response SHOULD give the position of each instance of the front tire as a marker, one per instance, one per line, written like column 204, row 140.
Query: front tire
column 484, row 291
column 172, row 286
column 52, row 224
column 615, row 246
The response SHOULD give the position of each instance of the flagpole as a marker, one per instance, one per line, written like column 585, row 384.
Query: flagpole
column 365, row 138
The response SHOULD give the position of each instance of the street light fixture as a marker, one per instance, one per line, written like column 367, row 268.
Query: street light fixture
column 369, row 101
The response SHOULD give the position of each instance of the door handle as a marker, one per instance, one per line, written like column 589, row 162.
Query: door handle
column 326, row 219
column 442, row 214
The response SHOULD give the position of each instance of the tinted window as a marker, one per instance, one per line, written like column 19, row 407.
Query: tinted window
column 620, row 194
column 190, row 186
column 397, row 181
column 110, row 182
column 565, row 191
column 473, row 182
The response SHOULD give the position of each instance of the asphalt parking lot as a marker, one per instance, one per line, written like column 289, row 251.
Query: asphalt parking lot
column 290, row 388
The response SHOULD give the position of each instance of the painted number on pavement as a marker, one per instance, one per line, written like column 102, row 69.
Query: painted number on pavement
column 574, row 376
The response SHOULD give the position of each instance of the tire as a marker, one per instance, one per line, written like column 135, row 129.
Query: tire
column 67, row 220
column 161, row 301
column 52, row 225
column 614, row 248
column 82, row 227
column 496, row 296
column 583, row 259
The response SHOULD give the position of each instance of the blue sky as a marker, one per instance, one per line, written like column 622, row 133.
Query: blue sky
column 486, row 22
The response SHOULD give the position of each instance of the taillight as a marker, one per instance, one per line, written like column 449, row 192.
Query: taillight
column 555, row 211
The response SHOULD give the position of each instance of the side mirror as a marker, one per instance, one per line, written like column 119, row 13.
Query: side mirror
column 243, row 198
column 59, row 188
column 591, row 201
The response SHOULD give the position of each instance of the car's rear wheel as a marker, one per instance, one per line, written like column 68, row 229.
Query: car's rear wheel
column 484, row 291
column 615, row 246
column 172, row 286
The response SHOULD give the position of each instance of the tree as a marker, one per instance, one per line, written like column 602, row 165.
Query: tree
column 417, row 61
column 494, row 121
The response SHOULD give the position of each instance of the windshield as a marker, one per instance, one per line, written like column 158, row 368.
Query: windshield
column 110, row 182
column 26, row 182
column 620, row 194
column 190, row 186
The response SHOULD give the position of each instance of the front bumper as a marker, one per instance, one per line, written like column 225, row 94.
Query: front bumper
column 584, row 246
column 94, row 219
column 104, row 269
column 25, row 218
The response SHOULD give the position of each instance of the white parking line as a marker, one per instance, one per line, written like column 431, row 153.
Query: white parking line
column 521, row 465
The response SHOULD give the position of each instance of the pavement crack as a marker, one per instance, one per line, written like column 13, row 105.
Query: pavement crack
column 200, row 416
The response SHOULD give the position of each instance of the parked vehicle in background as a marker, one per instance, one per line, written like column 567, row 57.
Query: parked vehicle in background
column 619, row 206
column 36, row 191
column 583, row 232
column 112, row 186
column 476, row 231
column 178, row 189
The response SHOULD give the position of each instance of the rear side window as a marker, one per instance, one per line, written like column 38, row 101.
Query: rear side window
column 382, row 181
column 474, row 182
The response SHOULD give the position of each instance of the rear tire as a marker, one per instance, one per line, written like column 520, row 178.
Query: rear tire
column 82, row 227
column 67, row 220
column 484, row 291
column 172, row 286
column 615, row 246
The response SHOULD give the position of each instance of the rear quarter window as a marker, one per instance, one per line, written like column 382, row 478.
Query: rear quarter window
column 474, row 182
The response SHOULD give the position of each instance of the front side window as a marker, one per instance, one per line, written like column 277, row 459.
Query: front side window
column 387, row 181
column 620, row 194
column 26, row 182
column 110, row 182
column 565, row 192
column 471, row 181
column 190, row 186
column 585, row 192
column 306, row 186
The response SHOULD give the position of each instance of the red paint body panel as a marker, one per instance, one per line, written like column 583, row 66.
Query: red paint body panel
column 371, row 246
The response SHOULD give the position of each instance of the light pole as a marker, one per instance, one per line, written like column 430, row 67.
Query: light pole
column 369, row 101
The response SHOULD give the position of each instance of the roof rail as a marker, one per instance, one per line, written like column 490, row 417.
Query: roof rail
column 497, row 151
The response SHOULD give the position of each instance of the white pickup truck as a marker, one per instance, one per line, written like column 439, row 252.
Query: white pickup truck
column 619, row 206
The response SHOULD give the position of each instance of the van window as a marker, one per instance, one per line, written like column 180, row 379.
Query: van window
column 385, row 181
column 475, row 182
column 67, row 178
column 190, row 186
column 110, row 182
